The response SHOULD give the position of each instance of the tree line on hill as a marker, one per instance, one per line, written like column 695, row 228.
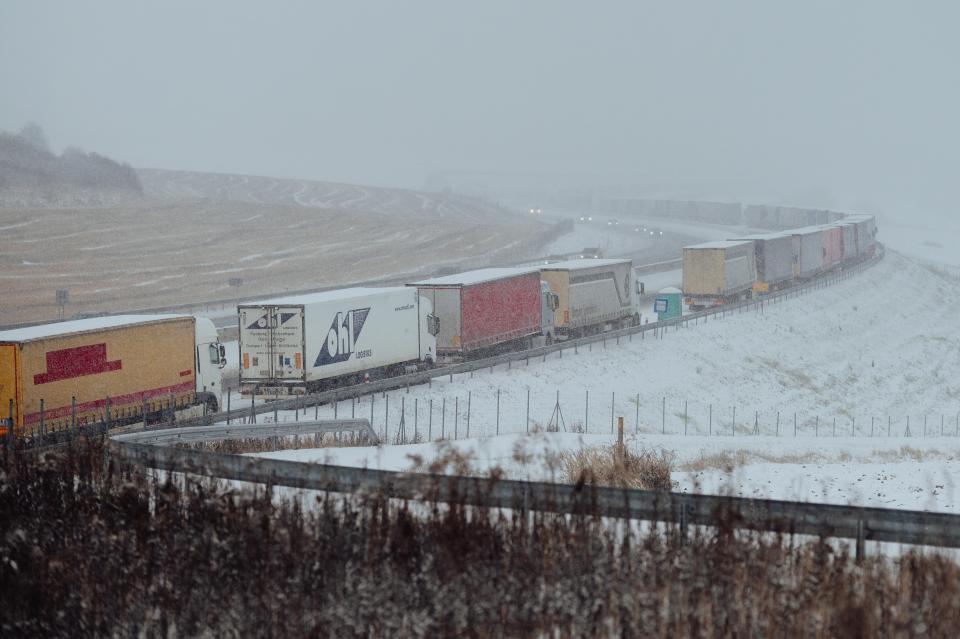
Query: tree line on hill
column 30, row 173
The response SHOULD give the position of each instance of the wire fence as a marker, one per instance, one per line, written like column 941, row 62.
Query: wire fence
column 451, row 411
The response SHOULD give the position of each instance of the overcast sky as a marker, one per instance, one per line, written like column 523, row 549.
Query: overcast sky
column 849, row 103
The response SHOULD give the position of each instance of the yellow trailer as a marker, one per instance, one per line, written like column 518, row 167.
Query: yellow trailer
column 68, row 373
column 718, row 272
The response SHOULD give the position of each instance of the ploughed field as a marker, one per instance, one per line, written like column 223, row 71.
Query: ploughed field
column 159, row 253
column 165, row 184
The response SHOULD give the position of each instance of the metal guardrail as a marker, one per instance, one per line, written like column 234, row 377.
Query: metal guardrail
column 195, row 434
column 825, row 520
column 423, row 377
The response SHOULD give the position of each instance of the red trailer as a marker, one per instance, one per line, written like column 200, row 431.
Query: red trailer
column 484, row 308
column 832, row 246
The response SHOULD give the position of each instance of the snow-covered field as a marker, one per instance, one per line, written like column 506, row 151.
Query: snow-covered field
column 847, row 364
column 939, row 245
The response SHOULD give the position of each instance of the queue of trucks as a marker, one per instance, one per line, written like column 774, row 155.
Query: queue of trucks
column 137, row 367
column 309, row 343
column 720, row 272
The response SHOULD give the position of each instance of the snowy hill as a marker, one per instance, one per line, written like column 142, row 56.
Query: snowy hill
column 850, row 360
column 327, row 195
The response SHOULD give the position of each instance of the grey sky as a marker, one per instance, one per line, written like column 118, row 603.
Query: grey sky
column 848, row 103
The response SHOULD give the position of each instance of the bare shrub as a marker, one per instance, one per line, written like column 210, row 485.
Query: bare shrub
column 618, row 466
column 272, row 444
column 91, row 548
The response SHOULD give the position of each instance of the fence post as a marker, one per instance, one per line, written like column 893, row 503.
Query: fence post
column 456, row 418
column 528, row 410
column 443, row 419
column 498, row 411
column 733, row 423
column 253, row 411
column 386, row 418
column 613, row 396
column 430, row 423
column 415, row 417
column 469, row 395
column 228, row 410
column 637, row 427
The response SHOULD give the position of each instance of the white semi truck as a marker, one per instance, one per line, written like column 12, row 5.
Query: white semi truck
column 312, row 342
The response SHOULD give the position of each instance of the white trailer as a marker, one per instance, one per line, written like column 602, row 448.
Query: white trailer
column 592, row 294
column 311, row 342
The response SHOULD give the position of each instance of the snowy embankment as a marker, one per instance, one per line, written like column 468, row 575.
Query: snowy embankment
column 848, row 364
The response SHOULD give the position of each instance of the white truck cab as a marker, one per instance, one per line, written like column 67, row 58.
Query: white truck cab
column 211, row 357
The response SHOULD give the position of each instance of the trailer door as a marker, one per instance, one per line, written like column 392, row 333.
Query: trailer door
column 271, row 343
column 9, row 377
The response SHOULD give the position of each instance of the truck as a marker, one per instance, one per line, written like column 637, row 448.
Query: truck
column 866, row 226
column 848, row 240
column 718, row 272
column 307, row 343
column 592, row 295
column 773, row 254
column 807, row 251
column 832, row 237
column 132, row 367
column 488, row 310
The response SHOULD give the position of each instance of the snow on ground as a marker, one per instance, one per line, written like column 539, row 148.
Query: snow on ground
column 941, row 244
column 848, row 364
column 884, row 472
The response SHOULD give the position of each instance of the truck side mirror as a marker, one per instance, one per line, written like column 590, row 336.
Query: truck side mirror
column 640, row 287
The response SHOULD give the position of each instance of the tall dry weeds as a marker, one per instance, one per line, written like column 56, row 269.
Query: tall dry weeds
column 618, row 466
column 89, row 548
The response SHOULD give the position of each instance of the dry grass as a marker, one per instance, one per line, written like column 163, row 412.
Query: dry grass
column 617, row 466
column 730, row 460
column 272, row 444
column 156, row 253
column 93, row 549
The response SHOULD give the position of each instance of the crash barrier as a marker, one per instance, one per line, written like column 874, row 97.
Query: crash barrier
column 154, row 450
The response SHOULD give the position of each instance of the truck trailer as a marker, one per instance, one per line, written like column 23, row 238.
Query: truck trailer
column 866, row 226
column 832, row 237
column 67, row 374
column 718, row 272
column 807, row 251
column 592, row 295
column 291, row 345
column 491, row 308
column 773, row 254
